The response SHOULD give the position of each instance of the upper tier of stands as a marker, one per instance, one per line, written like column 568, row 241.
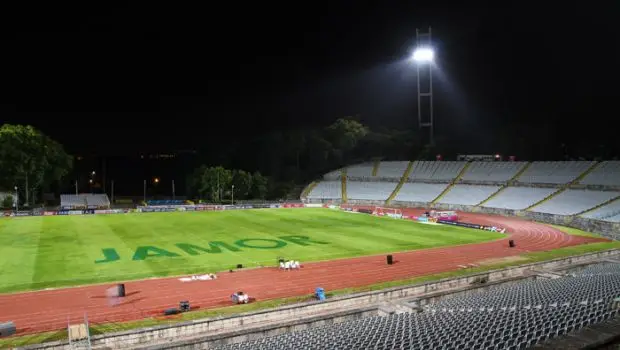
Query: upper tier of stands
column 75, row 201
column 516, row 316
column 468, row 194
column 360, row 170
column 492, row 171
column 605, row 174
column 436, row 171
column 392, row 170
column 554, row 172
column 571, row 202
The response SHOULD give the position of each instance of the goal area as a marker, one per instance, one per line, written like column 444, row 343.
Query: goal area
column 392, row 212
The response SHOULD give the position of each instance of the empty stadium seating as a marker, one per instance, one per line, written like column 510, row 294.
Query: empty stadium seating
column 326, row 190
column 517, row 198
column 165, row 202
column 79, row 201
column 572, row 202
column 419, row 192
column 468, row 194
column 363, row 190
column 580, row 185
column 436, row 171
column 605, row 174
column 360, row 170
column 333, row 175
column 504, row 317
column 492, row 171
column 607, row 212
column 554, row 172
column 392, row 170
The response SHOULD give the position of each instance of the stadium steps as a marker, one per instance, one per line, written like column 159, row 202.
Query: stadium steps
column 343, row 181
column 585, row 173
column 454, row 182
column 402, row 181
column 562, row 189
column 308, row 189
column 615, row 199
column 375, row 167
column 519, row 173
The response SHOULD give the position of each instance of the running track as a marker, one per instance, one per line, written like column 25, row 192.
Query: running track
column 50, row 309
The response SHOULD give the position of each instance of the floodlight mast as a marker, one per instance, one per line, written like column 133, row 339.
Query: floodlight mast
column 424, row 56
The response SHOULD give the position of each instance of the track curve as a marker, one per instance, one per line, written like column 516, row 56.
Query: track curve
column 47, row 310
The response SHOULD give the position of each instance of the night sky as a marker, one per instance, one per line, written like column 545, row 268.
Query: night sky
column 133, row 79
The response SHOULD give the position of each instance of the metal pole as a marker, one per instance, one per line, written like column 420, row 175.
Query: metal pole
column 232, row 195
column 76, row 188
column 173, row 195
column 16, row 200
column 144, row 191
column 112, row 189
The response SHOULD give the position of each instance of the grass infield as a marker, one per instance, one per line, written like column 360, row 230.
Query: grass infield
column 57, row 251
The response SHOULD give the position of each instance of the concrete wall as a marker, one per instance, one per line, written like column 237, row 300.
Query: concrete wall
column 286, row 314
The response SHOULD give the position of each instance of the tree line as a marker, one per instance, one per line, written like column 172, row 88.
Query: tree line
column 31, row 163
column 218, row 184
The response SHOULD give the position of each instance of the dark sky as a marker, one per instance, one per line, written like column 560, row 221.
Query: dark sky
column 195, row 77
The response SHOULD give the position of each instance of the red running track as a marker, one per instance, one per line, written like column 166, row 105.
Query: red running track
column 51, row 309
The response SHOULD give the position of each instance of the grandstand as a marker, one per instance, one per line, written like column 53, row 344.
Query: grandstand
column 569, row 188
column 83, row 201
column 516, row 316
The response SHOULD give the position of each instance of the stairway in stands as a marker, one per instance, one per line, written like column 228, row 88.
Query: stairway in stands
column 402, row 181
column 504, row 186
column 456, row 180
column 375, row 167
column 343, row 188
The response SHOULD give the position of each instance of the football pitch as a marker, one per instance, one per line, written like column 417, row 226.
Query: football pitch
column 41, row 252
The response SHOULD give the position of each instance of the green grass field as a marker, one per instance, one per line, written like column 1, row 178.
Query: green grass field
column 41, row 252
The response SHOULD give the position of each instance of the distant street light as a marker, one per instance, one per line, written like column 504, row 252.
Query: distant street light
column 232, row 195
column 156, row 180
column 93, row 172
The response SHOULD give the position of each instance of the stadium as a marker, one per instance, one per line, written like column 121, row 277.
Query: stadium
column 532, row 241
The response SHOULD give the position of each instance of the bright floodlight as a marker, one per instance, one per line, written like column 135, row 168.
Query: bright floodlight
column 423, row 54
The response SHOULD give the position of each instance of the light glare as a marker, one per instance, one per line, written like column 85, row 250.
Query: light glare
column 423, row 54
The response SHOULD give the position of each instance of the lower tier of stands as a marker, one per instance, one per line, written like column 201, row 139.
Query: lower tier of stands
column 516, row 316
